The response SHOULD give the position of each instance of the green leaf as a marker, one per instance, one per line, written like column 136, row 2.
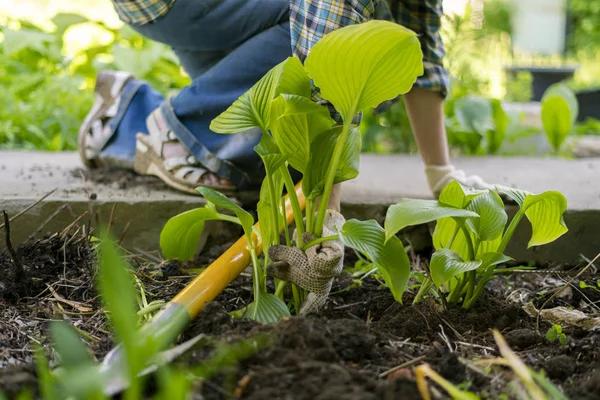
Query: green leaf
column 227, row 354
column 493, row 258
column 496, row 136
column 517, row 195
column 409, row 212
column 456, row 195
column 118, row 294
column 268, row 234
column 181, row 234
column 15, row 41
column 297, row 121
column 320, row 157
column 139, row 62
column 545, row 212
column 492, row 216
column 270, row 154
column 45, row 377
column 446, row 264
column 474, row 113
column 64, row 20
column 220, row 200
column 253, row 108
column 361, row 66
column 69, row 346
column 267, row 308
column 559, row 113
column 389, row 256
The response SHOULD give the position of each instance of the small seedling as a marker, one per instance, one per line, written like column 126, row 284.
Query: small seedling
column 555, row 333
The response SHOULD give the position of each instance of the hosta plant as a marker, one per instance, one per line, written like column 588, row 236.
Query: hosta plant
column 471, row 234
column 559, row 113
column 355, row 68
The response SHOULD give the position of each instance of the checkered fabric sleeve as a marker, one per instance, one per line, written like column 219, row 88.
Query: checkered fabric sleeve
column 140, row 12
column 310, row 20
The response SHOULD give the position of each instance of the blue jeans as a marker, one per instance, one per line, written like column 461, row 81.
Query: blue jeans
column 225, row 46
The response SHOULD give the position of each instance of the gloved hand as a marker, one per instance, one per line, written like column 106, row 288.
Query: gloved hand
column 313, row 269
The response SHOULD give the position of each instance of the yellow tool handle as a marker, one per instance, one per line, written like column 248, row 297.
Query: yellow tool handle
column 227, row 267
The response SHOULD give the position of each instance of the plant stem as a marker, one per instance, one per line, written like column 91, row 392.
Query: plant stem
column 471, row 277
column 279, row 289
column 297, row 299
column 510, row 230
column 317, row 241
column 310, row 215
column 274, row 206
column 455, row 294
column 470, row 248
column 286, row 231
column 291, row 190
column 330, row 177
column 425, row 286
column 256, row 270
column 469, row 302
column 229, row 218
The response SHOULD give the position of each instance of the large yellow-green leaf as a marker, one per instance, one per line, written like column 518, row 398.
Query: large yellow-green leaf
column 360, row 66
column 455, row 195
column 390, row 258
column 320, row 157
column 492, row 216
column 559, row 112
column 253, row 108
column 296, row 121
column 408, row 212
column 545, row 212
column 180, row 236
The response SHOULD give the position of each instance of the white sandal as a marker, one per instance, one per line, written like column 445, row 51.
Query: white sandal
column 182, row 173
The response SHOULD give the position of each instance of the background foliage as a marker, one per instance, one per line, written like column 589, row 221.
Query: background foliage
column 48, row 68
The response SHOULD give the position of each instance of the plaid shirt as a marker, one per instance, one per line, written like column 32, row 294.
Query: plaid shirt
column 139, row 12
column 312, row 19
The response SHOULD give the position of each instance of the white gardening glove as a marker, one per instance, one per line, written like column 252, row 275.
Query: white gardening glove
column 313, row 269
column 438, row 176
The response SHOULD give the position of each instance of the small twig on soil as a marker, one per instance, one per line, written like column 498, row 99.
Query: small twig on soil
column 444, row 337
column 19, row 272
column 537, row 322
column 457, row 333
column 111, row 219
column 478, row 346
column 68, row 228
column 124, row 233
column 29, row 207
column 47, row 221
column 403, row 365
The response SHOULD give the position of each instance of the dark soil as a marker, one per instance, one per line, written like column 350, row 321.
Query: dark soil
column 346, row 352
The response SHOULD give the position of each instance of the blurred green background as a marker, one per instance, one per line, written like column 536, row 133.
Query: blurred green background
column 51, row 51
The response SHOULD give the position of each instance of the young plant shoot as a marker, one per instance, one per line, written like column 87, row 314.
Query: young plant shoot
column 471, row 235
column 355, row 68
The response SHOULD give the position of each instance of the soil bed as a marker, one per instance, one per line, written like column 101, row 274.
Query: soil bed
column 346, row 352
